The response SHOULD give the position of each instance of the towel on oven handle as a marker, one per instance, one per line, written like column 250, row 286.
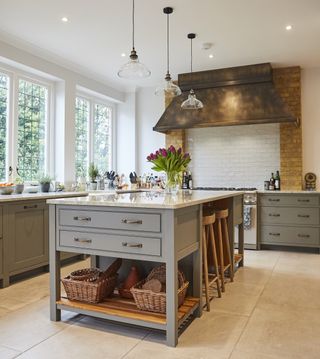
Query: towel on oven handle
column 247, row 218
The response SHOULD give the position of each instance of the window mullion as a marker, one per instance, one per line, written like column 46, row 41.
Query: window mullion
column 14, row 128
column 91, row 132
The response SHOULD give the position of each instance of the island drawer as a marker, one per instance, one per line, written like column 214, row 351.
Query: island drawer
column 146, row 222
column 111, row 242
column 290, row 235
column 301, row 200
column 289, row 215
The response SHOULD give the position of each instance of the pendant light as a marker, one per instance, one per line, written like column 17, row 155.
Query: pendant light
column 168, row 88
column 133, row 69
column 191, row 103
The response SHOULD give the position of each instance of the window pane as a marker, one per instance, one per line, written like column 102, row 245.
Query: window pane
column 82, row 126
column 4, row 83
column 32, row 102
column 102, row 137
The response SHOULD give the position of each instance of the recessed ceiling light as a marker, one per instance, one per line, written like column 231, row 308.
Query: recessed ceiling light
column 211, row 56
column 64, row 19
column 123, row 54
column 289, row 27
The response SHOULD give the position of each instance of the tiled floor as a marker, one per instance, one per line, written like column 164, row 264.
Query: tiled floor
column 271, row 311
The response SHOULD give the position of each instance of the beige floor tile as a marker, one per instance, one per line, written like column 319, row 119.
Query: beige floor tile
column 245, row 355
column 30, row 325
column 288, row 334
column 86, row 339
column 253, row 275
column 3, row 311
column 8, row 353
column 239, row 298
column 212, row 336
column 291, row 291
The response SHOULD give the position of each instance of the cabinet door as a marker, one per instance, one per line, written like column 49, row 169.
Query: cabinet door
column 27, row 236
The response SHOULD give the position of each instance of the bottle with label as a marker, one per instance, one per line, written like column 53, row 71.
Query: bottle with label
column 189, row 181
column 271, row 182
column 185, row 180
column 277, row 182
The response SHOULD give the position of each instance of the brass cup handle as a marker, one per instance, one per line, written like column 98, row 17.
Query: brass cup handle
column 82, row 219
column 82, row 240
column 303, row 215
column 303, row 235
column 131, row 221
column 274, row 200
column 274, row 234
column 304, row 200
column 132, row 245
column 274, row 215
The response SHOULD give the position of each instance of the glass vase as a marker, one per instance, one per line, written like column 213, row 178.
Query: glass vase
column 173, row 183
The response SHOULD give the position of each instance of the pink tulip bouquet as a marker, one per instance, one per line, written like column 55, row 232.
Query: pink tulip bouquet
column 171, row 161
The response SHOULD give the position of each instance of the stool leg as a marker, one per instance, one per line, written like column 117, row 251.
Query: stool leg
column 205, row 267
column 215, row 260
column 221, row 255
column 226, row 236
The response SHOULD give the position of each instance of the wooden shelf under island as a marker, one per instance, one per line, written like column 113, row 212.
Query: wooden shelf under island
column 126, row 309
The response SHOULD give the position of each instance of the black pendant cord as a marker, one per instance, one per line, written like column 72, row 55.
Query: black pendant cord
column 191, row 56
column 133, row 24
column 168, row 44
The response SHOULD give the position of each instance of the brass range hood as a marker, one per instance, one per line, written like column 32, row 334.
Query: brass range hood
column 241, row 95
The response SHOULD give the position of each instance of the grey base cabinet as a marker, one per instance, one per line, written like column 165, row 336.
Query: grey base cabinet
column 24, row 238
column 289, row 219
column 28, row 236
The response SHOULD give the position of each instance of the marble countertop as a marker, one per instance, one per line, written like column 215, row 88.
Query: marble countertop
column 289, row 192
column 149, row 199
column 40, row 195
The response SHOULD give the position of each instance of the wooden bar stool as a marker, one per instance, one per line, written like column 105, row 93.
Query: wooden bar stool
column 208, row 241
column 223, row 244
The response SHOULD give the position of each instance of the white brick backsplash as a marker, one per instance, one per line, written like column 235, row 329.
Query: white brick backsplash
column 238, row 156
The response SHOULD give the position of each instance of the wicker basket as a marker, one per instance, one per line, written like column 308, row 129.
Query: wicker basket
column 90, row 292
column 87, row 274
column 157, row 302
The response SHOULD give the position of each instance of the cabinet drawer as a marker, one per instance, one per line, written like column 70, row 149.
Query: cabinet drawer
column 111, row 242
column 290, row 235
column 301, row 200
column 289, row 215
column 110, row 220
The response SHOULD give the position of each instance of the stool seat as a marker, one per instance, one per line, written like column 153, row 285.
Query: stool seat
column 208, row 237
column 223, row 213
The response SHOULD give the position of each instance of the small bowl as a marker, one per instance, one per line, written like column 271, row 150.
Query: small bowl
column 6, row 190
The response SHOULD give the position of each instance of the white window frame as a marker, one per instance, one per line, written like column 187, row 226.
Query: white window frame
column 93, row 100
column 13, row 118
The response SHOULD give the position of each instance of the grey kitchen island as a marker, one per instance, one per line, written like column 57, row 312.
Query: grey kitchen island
column 145, row 226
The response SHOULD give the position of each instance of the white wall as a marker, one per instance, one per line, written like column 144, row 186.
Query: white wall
column 126, row 135
column 149, row 110
column 237, row 156
column 311, row 121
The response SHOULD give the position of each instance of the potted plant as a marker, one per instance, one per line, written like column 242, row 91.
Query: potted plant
column 45, row 182
column 173, row 162
column 19, row 185
column 93, row 174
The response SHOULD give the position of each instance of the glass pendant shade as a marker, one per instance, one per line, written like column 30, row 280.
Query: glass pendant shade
column 168, row 88
column 134, row 69
column 192, row 103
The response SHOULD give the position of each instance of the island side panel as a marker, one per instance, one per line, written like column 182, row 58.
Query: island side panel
column 54, row 265
column 170, row 254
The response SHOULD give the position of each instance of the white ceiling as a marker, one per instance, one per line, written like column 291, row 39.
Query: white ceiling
column 242, row 31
